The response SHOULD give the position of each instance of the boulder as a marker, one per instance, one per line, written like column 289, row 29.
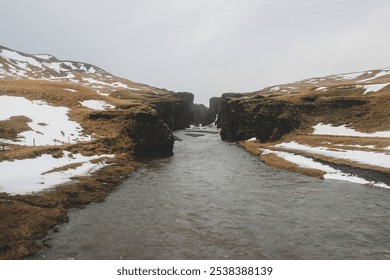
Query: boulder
column 150, row 135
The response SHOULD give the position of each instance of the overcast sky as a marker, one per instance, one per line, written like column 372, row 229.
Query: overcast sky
column 207, row 47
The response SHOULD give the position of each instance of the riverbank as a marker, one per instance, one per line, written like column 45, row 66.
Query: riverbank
column 363, row 160
column 27, row 219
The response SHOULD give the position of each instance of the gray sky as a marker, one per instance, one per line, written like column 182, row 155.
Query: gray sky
column 207, row 47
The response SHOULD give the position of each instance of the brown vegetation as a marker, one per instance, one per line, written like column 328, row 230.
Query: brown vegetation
column 26, row 219
column 9, row 129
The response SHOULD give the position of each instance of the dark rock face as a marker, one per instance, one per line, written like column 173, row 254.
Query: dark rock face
column 150, row 135
column 201, row 115
column 275, row 119
column 176, row 112
column 180, row 112
column 225, row 116
column 236, row 120
column 265, row 118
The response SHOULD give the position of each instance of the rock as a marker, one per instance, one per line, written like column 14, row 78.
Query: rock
column 236, row 118
column 201, row 115
column 150, row 135
column 266, row 118
column 177, row 112
column 275, row 119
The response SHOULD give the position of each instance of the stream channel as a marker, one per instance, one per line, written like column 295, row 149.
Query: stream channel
column 214, row 200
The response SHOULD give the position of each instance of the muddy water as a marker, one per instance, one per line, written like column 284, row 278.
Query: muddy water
column 213, row 200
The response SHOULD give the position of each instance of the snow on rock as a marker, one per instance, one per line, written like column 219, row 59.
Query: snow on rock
column 50, row 125
column 30, row 175
column 364, row 157
column 97, row 105
column 331, row 173
column 343, row 130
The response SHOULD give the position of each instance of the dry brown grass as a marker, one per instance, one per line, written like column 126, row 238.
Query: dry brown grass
column 32, row 215
column 275, row 161
column 316, row 141
column 25, row 219
column 9, row 129
column 251, row 146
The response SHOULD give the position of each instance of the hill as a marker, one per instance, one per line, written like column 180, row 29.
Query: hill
column 69, row 133
column 334, row 127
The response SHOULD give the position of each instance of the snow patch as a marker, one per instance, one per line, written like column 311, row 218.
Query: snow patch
column 71, row 90
column 356, row 146
column 251, row 139
column 92, row 70
column 331, row 173
column 56, row 66
column 373, row 87
column 97, row 105
column 28, row 175
column 328, row 129
column 384, row 72
column 349, row 76
column 7, row 54
column 364, row 157
column 44, row 56
column 58, row 128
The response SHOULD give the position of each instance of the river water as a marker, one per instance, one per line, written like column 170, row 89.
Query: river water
column 213, row 200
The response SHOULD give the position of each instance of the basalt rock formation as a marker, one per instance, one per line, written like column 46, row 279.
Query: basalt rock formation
column 176, row 111
column 151, row 136
column 202, row 115
column 242, row 118
column 180, row 112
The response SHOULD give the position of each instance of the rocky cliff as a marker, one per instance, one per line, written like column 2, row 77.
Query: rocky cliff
column 175, row 111
column 266, row 119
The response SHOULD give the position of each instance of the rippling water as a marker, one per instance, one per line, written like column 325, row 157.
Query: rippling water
column 213, row 200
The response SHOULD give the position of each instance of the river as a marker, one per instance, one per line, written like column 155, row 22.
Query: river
column 213, row 200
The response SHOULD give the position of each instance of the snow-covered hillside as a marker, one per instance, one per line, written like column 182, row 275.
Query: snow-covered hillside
column 18, row 65
column 44, row 108
column 368, row 81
